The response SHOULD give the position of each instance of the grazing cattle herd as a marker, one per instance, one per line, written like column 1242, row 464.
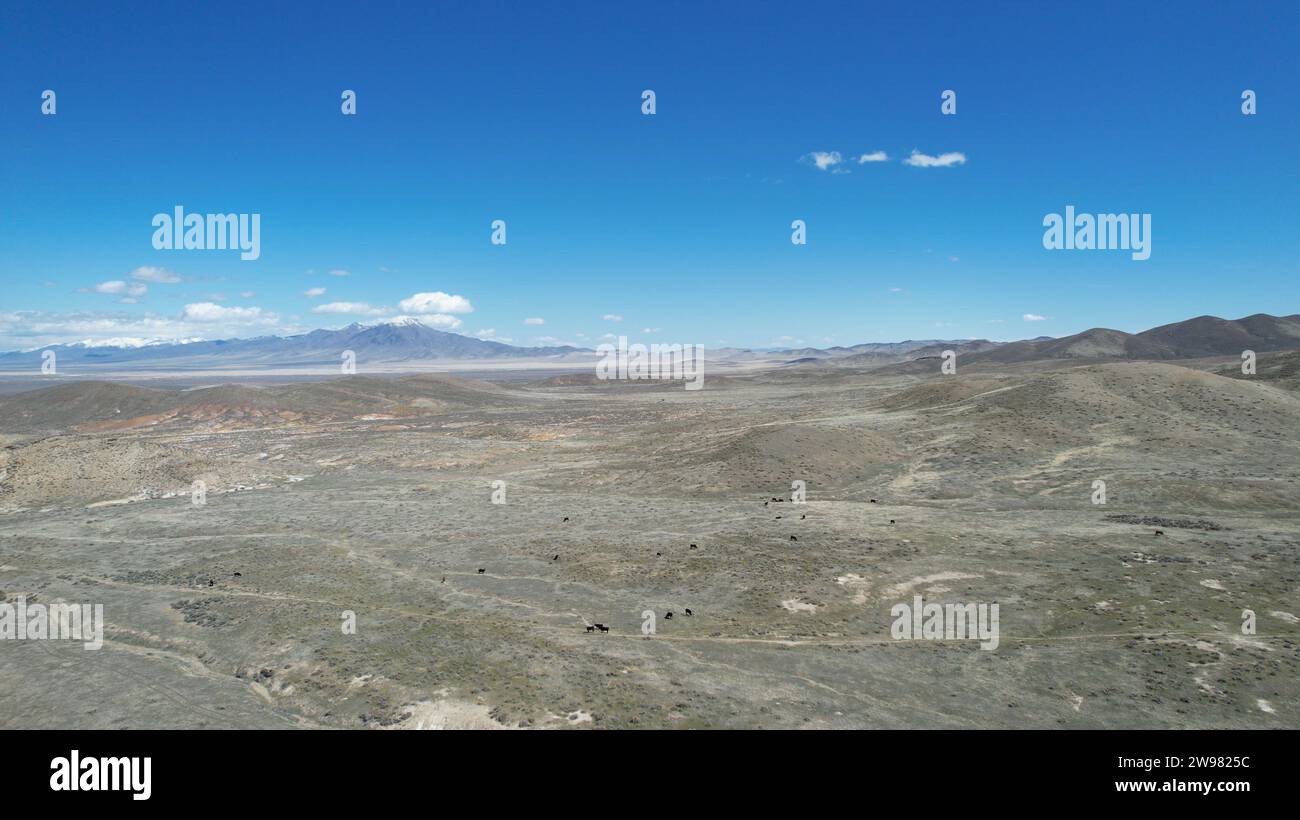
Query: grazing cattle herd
column 688, row 611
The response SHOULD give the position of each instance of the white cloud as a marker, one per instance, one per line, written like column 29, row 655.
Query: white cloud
column 1034, row 317
column 535, row 321
column 340, row 272
column 116, row 287
column 895, row 290
column 435, row 302
column 351, row 308
column 486, row 333
column 649, row 330
column 612, row 317
column 212, row 312
column 823, row 160
column 158, row 275
column 28, row 330
column 246, row 294
column 919, row 160
column 312, row 293
column 874, row 156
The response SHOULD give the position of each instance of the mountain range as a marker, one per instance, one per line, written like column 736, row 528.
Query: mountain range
column 411, row 341
column 405, row 340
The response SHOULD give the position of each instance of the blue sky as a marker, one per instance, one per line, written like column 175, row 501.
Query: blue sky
column 679, row 222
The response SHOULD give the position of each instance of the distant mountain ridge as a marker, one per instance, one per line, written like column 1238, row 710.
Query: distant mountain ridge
column 1195, row 338
column 412, row 341
column 408, row 340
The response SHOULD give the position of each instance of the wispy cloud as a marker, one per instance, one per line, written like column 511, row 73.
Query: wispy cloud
column 351, row 309
column 1034, row 317
column 612, row 317
column 212, row 312
column 919, row 160
column 161, row 276
column 129, row 291
column 823, row 160
column 874, row 156
column 312, row 293
column 535, row 321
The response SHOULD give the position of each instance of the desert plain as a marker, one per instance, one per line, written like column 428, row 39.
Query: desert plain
column 376, row 496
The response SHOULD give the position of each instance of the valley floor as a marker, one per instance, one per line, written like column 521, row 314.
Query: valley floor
column 471, row 613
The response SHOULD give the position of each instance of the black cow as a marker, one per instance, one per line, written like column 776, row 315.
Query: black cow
column 688, row 611
column 792, row 538
column 1160, row 532
column 591, row 629
column 481, row 571
column 694, row 547
column 668, row 616
column 602, row 627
